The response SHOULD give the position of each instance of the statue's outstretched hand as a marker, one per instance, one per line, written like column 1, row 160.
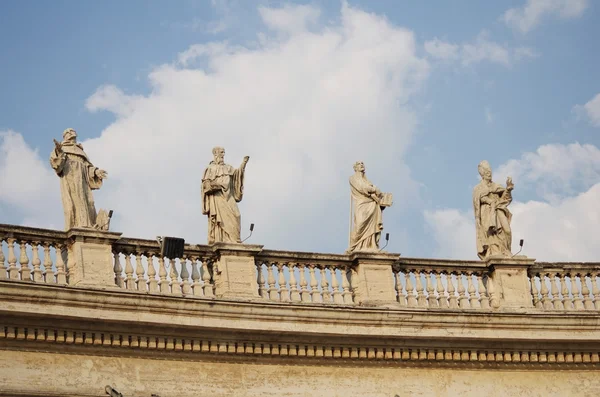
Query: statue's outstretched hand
column 101, row 174
column 509, row 183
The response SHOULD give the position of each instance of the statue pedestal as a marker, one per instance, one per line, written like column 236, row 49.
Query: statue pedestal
column 235, row 270
column 90, row 259
column 374, row 282
column 511, row 283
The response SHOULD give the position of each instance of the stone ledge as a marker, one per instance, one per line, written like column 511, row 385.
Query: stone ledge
column 130, row 309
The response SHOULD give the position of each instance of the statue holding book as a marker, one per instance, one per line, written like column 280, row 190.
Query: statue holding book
column 78, row 177
column 222, row 189
column 367, row 205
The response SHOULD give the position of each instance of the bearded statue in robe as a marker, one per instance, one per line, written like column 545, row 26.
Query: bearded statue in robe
column 492, row 217
column 367, row 204
column 78, row 177
column 222, row 189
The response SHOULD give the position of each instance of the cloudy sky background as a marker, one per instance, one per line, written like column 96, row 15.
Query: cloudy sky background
column 420, row 91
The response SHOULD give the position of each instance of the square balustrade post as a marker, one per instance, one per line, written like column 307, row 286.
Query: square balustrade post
column 90, row 258
column 234, row 270
column 510, row 281
column 373, row 284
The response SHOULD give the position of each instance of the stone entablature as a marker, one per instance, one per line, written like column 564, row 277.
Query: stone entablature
column 243, row 307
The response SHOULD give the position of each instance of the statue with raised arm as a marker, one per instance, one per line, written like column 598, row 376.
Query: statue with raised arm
column 492, row 217
column 222, row 189
column 78, row 177
column 367, row 204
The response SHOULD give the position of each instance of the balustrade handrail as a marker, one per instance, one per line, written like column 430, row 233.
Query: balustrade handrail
column 31, row 234
column 564, row 267
column 143, row 246
column 292, row 257
column 440, row 265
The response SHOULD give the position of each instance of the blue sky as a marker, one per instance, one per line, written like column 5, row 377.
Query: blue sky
column 421, row 91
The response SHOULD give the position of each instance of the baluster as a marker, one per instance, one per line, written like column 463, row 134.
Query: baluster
column 140, row 282
column 556, row 301
column 294, row 293
column 595, row 291
column 463, row 300
column 25, row 271
column 431, row 299
column 399, row 292
column 61, row 274
column 116, row 268
column 484, row 301
column 206, row 277
column 314, row 285
column 48, row 274
column 546, row 301
column 588, row 299
column 346, row 286
column 325, row 285
column 129, row 281
column 304, row 284
column 38, row 276
column 152, row 283
column 442, row 298
column 3, row 268
column 452, row 299
column 335, row 286
column 13, row 271
column 284, row 292
column 577, row 300
column 535, row 298
column 174, row 276
column 411, row 300
column 273, row 293
column 260, row 279
column 473, row 300
column 185, row 277
column 567, row 301
column 196, row 285
column 163, row 284
column 421, row 298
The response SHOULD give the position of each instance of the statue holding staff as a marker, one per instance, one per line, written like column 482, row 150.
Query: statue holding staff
column 492, row 217
column 78, row 177
column 367, row 204
column 222, row 189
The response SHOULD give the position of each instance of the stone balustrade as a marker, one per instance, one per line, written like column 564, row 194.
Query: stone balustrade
column 305, row 277
column 138, row 266
column 444, row 284
column 31, row 254
column 106, row 260
column 565, row 286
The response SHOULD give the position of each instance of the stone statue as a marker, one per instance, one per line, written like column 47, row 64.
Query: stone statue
column 492, row 217
column 367, row 204
column 222, row 189
column 78, row 177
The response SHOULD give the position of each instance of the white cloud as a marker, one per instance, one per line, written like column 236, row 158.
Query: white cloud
column 527, row 17
column 27, row 183
column 303, row 105
column 591, row 111
column 290, row 18
column 564, row 229
column 482, row 49
column 555, row 171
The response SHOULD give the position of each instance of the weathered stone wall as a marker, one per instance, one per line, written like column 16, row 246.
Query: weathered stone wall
column 36, row 373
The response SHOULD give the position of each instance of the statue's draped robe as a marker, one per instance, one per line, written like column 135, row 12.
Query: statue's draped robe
column 222, row 189
column 77, row 179
column 367, row 219
column 492, row 219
